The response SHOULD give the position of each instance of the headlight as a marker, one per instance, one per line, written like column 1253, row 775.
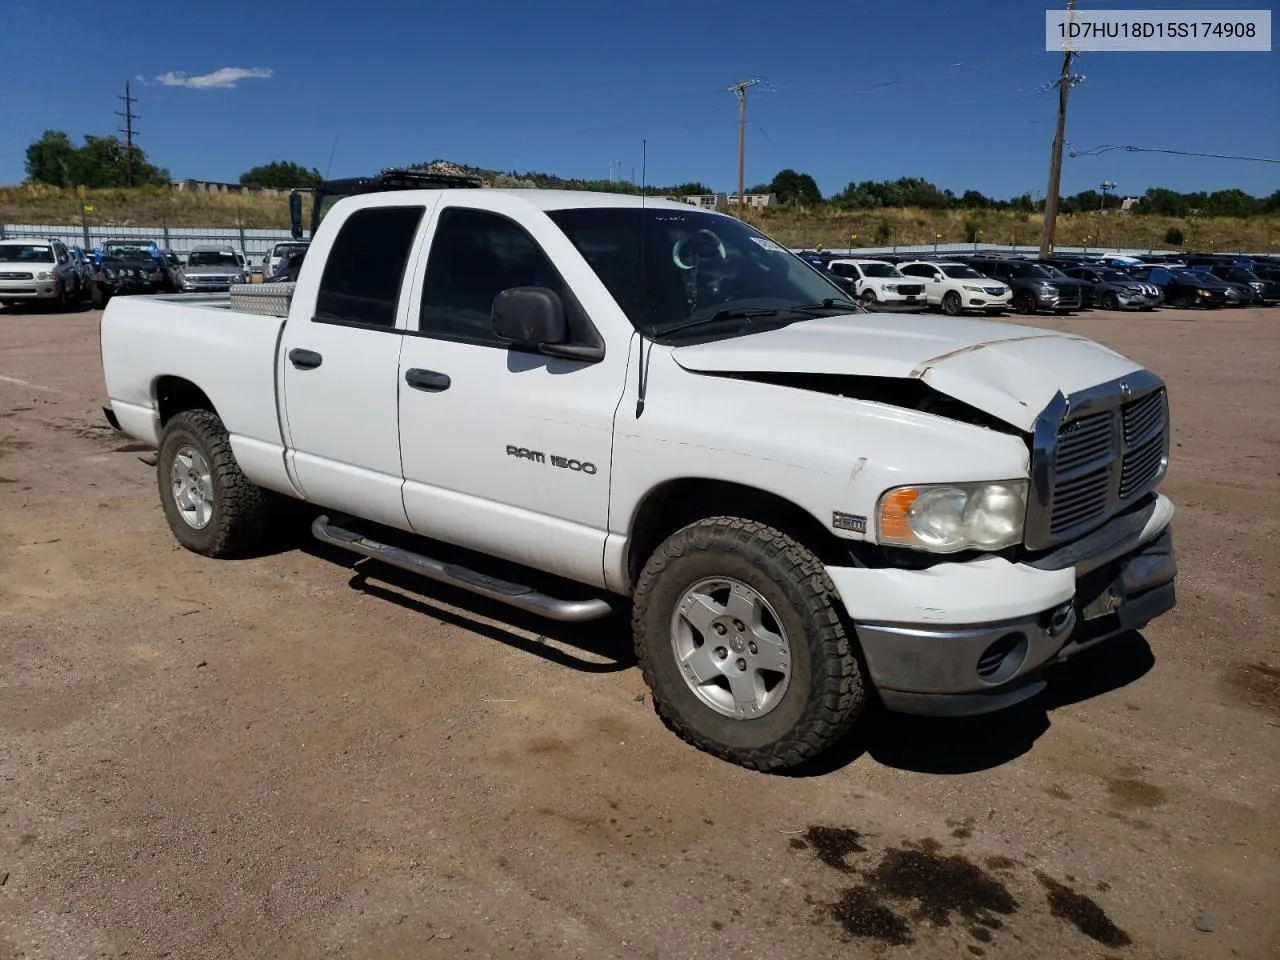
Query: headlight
column 1050, row 289
column 975, row 289
column 889, row 287
column 1204, row 293
column 44, row 275
column 949, row 517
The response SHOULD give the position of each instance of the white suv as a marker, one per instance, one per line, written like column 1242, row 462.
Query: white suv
column 957, row 288
column 38, row 269
column 877, row 283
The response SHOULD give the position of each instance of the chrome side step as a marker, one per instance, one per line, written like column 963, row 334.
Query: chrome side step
column 513, row 594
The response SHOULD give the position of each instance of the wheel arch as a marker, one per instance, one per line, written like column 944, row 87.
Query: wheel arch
column 679, row 502
column 172, row 395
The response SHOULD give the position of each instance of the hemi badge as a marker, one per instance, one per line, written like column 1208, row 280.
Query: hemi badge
column 848, row 521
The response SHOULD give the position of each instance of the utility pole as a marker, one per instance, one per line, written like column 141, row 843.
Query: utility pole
column 740, row 88
column 1065, row 82
column 129, row 117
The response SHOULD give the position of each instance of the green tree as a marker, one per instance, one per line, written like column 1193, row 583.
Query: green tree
column 1173, row 237
column 49, row 159
column 281, row 175
column 795, row 189
column 100, row 162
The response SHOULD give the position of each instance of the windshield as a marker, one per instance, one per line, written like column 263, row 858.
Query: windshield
column 212, row 258
column 1193, row 276
column 1241, row 275
column 668, row 267
column 1052, row 271
column 26, row 253
column 126, row 251
column 962, row 273
column 879, row 270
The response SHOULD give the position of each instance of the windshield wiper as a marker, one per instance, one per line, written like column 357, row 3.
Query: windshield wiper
column 746, row 313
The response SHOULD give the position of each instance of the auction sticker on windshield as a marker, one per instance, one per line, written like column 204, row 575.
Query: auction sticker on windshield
column 766, row 243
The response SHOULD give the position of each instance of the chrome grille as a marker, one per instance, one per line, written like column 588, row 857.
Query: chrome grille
column 1095, row 455
column 17, row 276
column 993, row 291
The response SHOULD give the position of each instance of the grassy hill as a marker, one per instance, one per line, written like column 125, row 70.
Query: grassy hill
column 155, row 206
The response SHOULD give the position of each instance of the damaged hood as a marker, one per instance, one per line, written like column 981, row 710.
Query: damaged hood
column 1005, row 370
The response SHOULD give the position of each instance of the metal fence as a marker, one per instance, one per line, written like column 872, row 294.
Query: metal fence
column 254, row 243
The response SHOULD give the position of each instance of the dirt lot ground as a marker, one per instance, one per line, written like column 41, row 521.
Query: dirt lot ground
column 270, row 758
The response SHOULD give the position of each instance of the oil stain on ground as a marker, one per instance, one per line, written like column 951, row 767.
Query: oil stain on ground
column 1132, row 793
column 1082, row 913
column 919, row 883
column 1255, row 685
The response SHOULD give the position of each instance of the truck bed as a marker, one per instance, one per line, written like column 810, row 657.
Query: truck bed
column 151, row 344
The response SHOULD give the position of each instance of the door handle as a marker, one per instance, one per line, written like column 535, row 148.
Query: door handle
column 305, row 359
column 428, row 380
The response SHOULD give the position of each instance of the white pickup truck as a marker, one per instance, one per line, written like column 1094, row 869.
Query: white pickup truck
column 641, row 404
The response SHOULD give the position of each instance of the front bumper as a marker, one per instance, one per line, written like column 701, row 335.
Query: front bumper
column 962, row 639
column 28, row 289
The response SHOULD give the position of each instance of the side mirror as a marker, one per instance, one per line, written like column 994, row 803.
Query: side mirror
column 295, row 215
column 530, row 316
column 535, row 317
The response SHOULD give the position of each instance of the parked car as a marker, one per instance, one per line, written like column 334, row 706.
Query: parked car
column 40, row 270
column 1114, row 289
column 877, row 284
column 1182, row 289
column 1238, row 294
column 1264, row 291
column 145, row 260
column 213, row 269
column 535, row 423
column 271, row 259
column 1057, row 272
column 1034, row 288
column 957, row 288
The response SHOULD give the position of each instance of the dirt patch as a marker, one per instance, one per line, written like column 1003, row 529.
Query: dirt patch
column 999, row 862
column 12, row 445
column 1255, row 685
column 1132, row 793
column 1082, row 913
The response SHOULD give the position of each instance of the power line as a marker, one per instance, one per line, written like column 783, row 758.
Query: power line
column 1108, row 147
column 129, row 117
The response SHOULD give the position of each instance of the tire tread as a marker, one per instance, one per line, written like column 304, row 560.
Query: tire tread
column 837, row 695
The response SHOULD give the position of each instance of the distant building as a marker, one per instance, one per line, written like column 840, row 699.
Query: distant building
column 722, row 201
column 214, row 186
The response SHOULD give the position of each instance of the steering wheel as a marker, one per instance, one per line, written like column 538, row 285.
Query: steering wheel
column 677, row 252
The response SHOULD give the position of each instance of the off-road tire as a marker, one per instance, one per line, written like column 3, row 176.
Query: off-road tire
column 825, row 693
column 239, row 522
column 951, row 304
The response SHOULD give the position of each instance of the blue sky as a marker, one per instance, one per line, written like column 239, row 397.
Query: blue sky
column 865, row 89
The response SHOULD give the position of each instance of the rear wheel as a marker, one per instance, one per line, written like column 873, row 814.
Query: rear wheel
column 739, row 637
column 951, row 304
column 212, row 507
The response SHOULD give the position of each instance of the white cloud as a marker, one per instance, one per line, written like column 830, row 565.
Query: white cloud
column 224, row 78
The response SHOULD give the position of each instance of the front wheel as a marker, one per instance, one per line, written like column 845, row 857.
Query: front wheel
column 1181, row 301
column 1024, row 302
column 212, row 507
column 951, row 304
column 1110, row 301
column 740, row 641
